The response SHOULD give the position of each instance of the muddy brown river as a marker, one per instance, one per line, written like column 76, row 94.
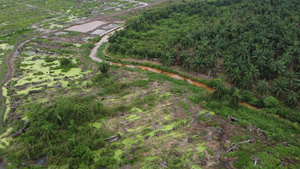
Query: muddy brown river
column 104, row 39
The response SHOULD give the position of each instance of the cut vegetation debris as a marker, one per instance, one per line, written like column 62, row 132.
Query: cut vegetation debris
column 61, row 109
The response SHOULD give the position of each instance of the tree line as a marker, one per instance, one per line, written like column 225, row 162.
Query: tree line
column 256, row 43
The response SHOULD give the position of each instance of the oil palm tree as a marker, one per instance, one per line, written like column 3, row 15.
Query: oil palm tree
column 292, row 76
column 297, row 85
column 243, row 50
column 227, row 65
column 262, row 87
column 198, row 63
column 235, row 76
column 219, row 92
column 186, row 63
column 295, row 48
column 72, row 126
column 104, row 67
column 293, row 100
column 278, row 67
column 235, row 97
column 79, row 110
column 210, row 63
column 48, row 130
column 240, row 63
column 280, row 87
column 287, row 58
column 253, row 72
column 247, row 82
column 51, row 150
column 167, row 59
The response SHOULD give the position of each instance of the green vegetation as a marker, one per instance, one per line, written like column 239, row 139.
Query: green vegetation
column 104, row 67
column 65, row 63
column 255, row 42
column 61, row 132
column 64, row 110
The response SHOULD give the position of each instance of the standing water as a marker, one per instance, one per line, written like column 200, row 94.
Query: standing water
column 86, row 27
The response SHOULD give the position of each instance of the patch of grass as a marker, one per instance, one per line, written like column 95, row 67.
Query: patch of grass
column 49, row 59
column 39, row 73
column 148, row 100
column 140, row 83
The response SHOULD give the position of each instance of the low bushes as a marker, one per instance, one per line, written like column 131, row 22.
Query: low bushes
column 270, row 102
column 61, row 131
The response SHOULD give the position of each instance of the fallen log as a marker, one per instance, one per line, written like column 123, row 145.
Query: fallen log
column 256, row 161
column 113, row 138
column 34, row 83
column 261, row 165
column 163, row 165
column 230, row 118
column 22, row 130
column 237, row 144
column 34, row 91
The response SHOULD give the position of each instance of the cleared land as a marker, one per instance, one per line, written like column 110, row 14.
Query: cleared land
column 63, row 110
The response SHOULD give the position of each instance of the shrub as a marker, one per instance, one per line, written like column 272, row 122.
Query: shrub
column 65, row 62
column 215, row 82
column 140, row 83
column 289, row 114
column 246, row 95
column 105, row 161
column 84, row 153
column 256, row 102
column 270, row 102
column 87, row 45
column 65, row 70
column 11, row 92
column 48, row 59
column 106, row 152
column 270, row 110
column 104, row 67
column 95, row 39
column 243, row 159
column 38, row 73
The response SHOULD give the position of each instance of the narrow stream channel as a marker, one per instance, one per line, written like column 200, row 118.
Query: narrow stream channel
column 104, row 39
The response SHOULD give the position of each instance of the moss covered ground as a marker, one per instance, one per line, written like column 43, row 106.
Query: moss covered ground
column 61, row 108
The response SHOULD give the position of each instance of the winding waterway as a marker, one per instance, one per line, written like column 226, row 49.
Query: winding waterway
column 93, row 56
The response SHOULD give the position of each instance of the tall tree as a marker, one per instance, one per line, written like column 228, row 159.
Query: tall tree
column 280, row 87
column 219, row 92
column 198, row 64
column 292, row 77
column 210, row 63
column 293, row 99
column 235, row 77
column 278, row 67
column 167, row 59
column 235, row 98
column 253, row 72
column 247, row 82
column 262, row 87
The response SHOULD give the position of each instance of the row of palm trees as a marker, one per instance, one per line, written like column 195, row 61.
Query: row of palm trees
column 257, row 42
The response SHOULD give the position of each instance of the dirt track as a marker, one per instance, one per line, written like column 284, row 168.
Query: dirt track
column 15, row 52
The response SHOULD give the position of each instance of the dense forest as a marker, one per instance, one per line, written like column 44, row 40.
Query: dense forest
column 254, row 43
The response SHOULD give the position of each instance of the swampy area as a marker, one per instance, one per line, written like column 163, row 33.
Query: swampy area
column 150, row 84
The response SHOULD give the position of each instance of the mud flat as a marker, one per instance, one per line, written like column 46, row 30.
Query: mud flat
column 84, row 28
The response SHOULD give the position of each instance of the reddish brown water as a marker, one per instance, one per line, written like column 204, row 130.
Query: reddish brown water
column 175, row 76
column 248, row 105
